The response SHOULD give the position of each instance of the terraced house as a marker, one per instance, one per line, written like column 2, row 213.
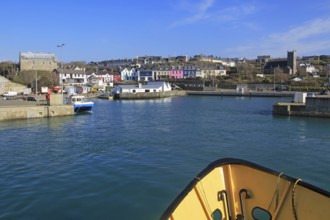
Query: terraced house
column 163, row 73
column 191, row 71
column 176, row 72
column 212, row 71
column 146, row 74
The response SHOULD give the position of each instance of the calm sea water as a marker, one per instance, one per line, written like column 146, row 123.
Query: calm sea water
column 129, row 159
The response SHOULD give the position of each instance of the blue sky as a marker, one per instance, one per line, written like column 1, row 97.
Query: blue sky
column 98, row 30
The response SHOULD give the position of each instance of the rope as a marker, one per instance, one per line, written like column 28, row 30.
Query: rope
column 293, row 199
column 204, row 196
column 276, row 193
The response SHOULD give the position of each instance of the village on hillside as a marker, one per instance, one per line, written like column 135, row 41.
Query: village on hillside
column 40, row 70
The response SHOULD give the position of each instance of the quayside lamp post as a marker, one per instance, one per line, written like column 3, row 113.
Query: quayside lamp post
column 35, row 73
column 61, row 46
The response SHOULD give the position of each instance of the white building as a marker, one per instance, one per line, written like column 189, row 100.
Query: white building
column 129, row 74
column 100, row 78
column 72, row 77
column 159, row 86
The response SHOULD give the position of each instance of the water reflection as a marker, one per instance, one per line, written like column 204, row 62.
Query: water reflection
column 144, row 101
column 52, row 123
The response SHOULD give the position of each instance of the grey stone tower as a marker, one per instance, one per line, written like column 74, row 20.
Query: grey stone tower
column 292, row 61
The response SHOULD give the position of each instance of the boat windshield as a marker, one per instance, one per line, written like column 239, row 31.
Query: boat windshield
column 77, row 99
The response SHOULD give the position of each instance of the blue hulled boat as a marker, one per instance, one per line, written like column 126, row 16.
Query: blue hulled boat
column 80, row 104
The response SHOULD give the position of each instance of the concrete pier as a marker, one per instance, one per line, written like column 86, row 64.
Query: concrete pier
column 17, row 108
column 28, row 112
column 242, row 94
column 314, row 107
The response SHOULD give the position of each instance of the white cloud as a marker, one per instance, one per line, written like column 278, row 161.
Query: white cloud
column 198, row 10
column 234, row 13
column 208, row 11
column 309, row 29
column 308, row 38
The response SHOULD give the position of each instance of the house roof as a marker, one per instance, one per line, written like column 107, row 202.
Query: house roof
column 67, row 71
column 276, row 63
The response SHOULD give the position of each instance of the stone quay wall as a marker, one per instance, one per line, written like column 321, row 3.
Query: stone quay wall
column 314, row 107
column 28, row 112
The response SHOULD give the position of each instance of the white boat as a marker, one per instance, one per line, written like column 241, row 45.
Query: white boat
column 233, row 189
column 80, row 104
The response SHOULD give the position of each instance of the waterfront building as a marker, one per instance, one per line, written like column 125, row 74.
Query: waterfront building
column 71, row 77
column 37, row 61
column 149, row 87
column 93, row 80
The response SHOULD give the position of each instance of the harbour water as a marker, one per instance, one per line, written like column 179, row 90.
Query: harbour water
column 130, row 159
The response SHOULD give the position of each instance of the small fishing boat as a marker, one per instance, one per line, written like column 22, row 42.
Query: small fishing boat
column 80, row 104
column 235, row 189
column 105, row 95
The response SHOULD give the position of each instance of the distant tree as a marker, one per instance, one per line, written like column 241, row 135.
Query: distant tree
column 8, row 69
column 26, row 78
column 247, row 71
column 49, row 79
column 301, row 71
column 43, row 78
column 281, row 77
column 80, row 64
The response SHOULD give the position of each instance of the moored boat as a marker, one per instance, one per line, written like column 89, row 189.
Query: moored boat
column 105, row 95
column 80, row 104
column 235, row 189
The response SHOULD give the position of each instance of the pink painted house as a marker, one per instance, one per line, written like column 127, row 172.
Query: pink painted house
column 176, row 72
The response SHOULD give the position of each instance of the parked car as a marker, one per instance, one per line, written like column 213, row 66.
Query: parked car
column 310, row 94
column 324, row 92
column 281, row 88
column 31, row 98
